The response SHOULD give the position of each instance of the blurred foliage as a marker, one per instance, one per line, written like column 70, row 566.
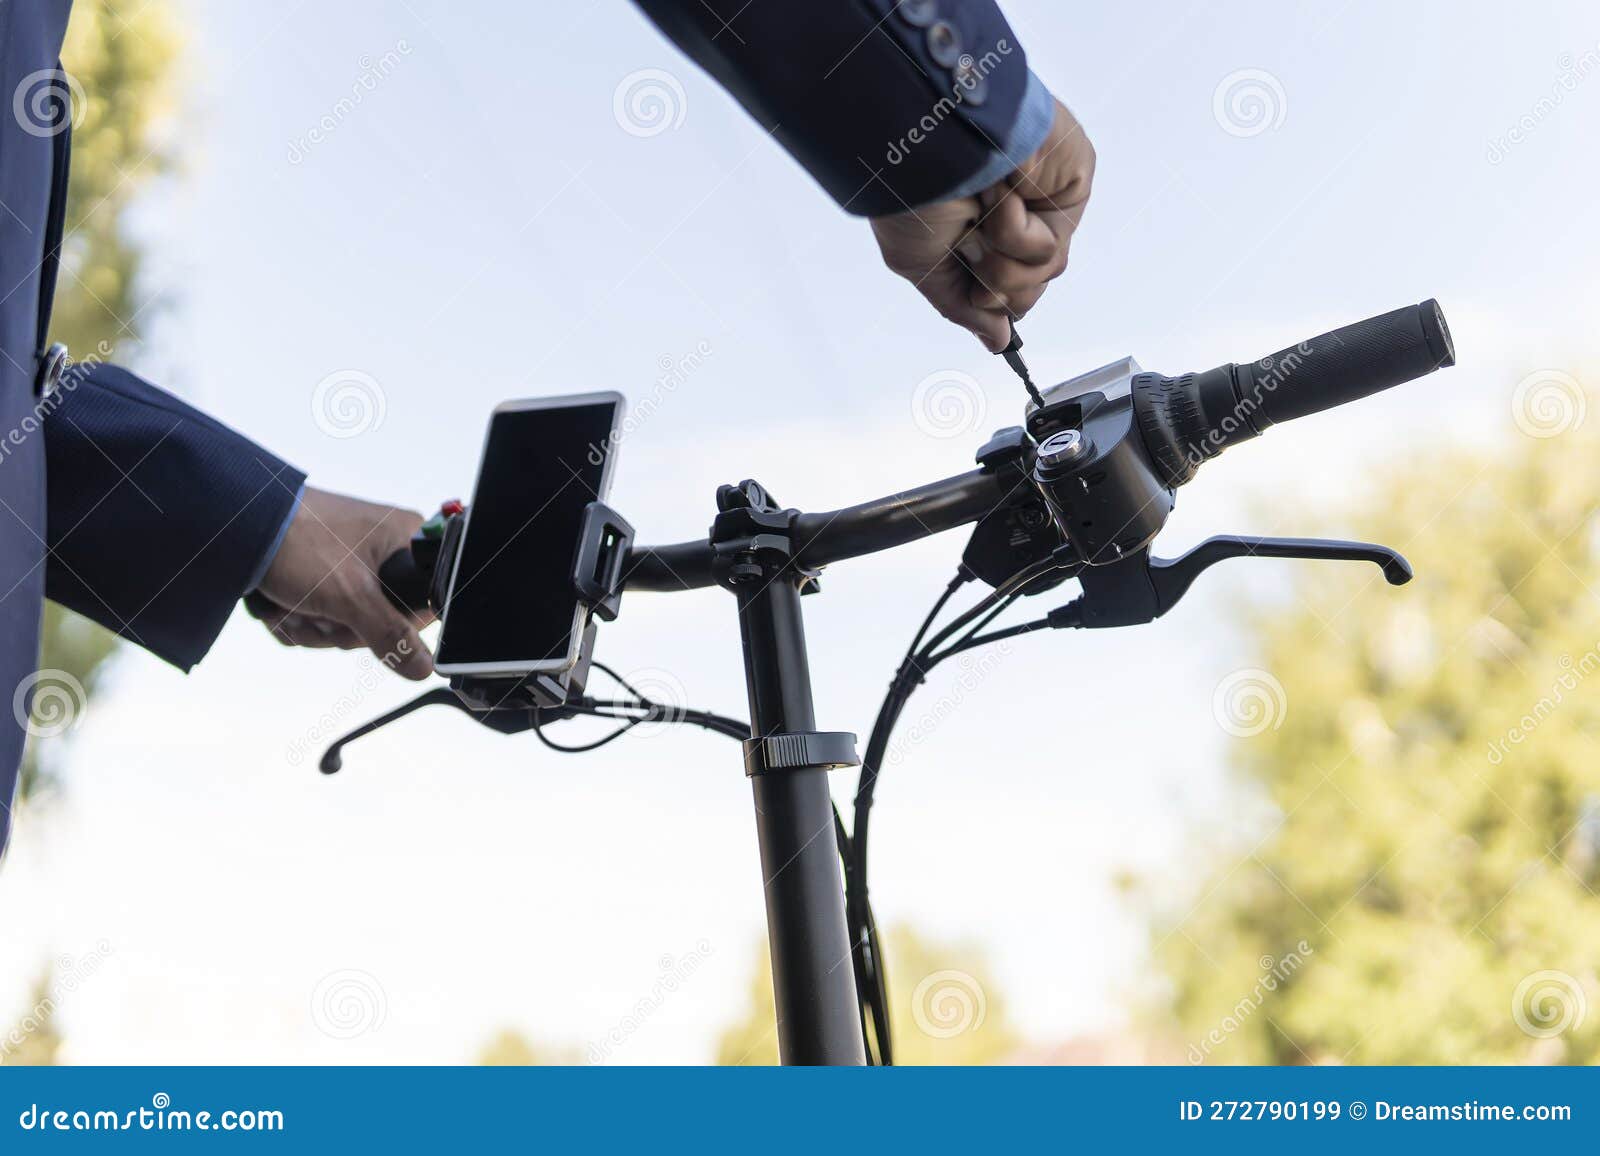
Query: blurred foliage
column 511, row 1049
column 1434, row 789
column 943, row 1007
column 122, row 53
column 33, row 1041
column 122, row 56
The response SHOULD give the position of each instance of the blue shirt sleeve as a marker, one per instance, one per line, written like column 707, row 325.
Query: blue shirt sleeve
column 277, row 541
column 1027, row 135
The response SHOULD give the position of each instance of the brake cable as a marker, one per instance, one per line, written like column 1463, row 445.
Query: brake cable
column 871, row 982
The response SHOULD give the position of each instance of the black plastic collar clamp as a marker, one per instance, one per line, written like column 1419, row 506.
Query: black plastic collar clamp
column 799, row 751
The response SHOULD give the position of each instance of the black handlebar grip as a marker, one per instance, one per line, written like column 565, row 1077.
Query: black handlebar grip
column 1186, row 420
column 404, row 583
column 1344, row 365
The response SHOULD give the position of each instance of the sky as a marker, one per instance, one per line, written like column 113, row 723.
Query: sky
column 483, row 223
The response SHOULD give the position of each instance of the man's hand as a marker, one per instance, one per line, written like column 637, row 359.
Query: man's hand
column 981, row 261
column 324, row 581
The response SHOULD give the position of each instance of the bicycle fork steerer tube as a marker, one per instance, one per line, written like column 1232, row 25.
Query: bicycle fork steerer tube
column 787, row 761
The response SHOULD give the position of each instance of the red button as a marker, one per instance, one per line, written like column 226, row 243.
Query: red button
column 453, row 506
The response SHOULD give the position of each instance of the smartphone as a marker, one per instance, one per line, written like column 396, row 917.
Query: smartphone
column 510, row 607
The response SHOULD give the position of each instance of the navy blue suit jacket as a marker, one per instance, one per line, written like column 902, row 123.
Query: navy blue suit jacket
column 889, row 104
column 116, row 499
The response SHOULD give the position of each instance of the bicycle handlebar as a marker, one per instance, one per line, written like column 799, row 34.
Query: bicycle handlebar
column 1180, row 422
column 835, row 535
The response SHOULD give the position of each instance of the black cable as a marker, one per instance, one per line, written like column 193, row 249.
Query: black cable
column 871, row 979
column 971, row 640
column 871, row 986
column 538, row 730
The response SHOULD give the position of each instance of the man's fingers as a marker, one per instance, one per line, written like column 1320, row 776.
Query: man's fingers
column 390, row 636
column 1001, row 283
column 1010, row 228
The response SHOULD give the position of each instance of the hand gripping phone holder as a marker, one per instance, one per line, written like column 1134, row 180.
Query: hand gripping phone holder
column 420, row 576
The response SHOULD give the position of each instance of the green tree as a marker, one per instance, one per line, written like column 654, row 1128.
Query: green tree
column 512, row 1049
column 942, row 1008
column 121, row 56
column 33, row 1040
column 1424, row 890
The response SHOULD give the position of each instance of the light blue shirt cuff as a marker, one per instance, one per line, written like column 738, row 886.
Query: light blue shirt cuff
column 1034, row 118
column 272, row 551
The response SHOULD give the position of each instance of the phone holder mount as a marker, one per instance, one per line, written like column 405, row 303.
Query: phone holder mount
column 420, row 576
column 604, row 538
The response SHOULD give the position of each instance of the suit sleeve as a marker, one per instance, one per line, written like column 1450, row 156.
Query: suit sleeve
column 888, row 104
column 158, row 516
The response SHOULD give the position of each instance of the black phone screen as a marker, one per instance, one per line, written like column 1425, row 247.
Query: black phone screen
column 512, row 602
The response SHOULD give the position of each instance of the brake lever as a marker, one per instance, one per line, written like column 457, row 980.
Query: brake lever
column 1140, row 589
column 508, row 720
